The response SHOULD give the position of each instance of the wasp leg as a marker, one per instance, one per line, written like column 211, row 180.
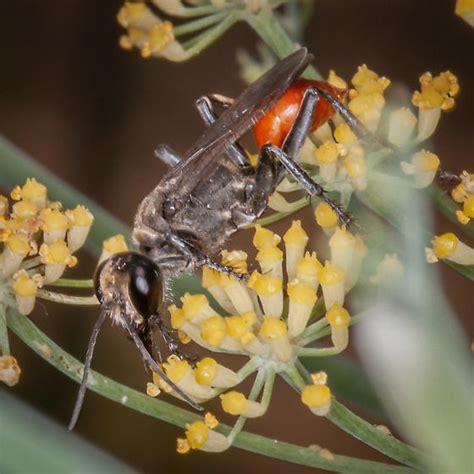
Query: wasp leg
column 221, row 100
column 195, row 255
column 354, row 122
column 153, row 323
column 167, row 155
column 312, row 188
column 235, row 152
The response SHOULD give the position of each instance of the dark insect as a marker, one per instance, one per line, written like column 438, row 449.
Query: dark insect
column 208, row 195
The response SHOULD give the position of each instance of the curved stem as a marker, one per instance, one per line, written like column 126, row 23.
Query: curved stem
column 67, row 299
column 169, row 413
column 4, row 343
column 196, row 25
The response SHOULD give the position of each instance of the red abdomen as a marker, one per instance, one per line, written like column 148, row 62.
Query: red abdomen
column 274, row 126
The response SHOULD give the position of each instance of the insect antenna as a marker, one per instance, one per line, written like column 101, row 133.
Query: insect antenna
column 154, row 366
column 87, row 365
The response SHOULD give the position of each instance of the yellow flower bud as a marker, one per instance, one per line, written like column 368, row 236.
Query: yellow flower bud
column 213, row 330
column 344, row 134
column 318, row 398
column 338, row 316
column 325, row 216
column 264, row 237
column 9, row 370
column 206, row 371
column 444, row 246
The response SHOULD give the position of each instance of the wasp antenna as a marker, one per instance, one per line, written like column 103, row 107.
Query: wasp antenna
column 154, row 366
column 87, row 365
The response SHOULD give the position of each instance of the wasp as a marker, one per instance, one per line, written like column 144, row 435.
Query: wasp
column 209, row 194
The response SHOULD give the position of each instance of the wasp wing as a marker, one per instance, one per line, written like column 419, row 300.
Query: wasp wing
column 201, row 159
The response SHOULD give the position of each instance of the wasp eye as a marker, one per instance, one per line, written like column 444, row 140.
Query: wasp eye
column 144, row 285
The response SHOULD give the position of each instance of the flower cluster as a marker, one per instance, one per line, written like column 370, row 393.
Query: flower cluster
column 37, row 242
column 203, row 23
column 463, row 194
column 292, row 301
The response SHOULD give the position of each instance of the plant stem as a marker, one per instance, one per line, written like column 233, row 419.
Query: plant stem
column 196, row 25
column 72, row 283
column 67, row 299
column 266, row 25
column 448, row 207
column 169, row 413
column 4, row 343
column 254, row 393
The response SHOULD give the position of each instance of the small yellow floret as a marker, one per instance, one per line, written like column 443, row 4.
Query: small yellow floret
column 115, row 244
column 264, row 285
column 80, row 216
column 367, row 81
column 315, row 396
column 178, row 317
column 331, row 274
column 210, row 420
column 205, row 371
column 465, row 9
column 325, row 216
column 336, row 81
column 213, row 330
column 237, row 259
column 25, row 209
column 264, row 237
column 176, row 369
column 338, row 316
column 301, row 293
column 425, row 161
column 210, row 277
column 196, row 434
column 31, row 190
column 269, row 254
column 327, row 152
column 233, row 402
column 3, row 206
column 319, row 378
column 445, row 245
column 131, row 13
column 182, row 446
column 24, row 285
column 160, row 35
column 57, row 253
column 53, row 220
column 9, row 370
column 19, row 245
column 295, row 235
column 309, row 265
column 468, row 207
column 272, row 328
column 238, row 326
column 344, row 134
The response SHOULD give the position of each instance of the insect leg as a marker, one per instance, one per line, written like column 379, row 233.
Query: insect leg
column 85, row 374
column 167, row 155
column 209, row 116
column 221, row 100
column 353, row 121
column 199, row 258
column 314, row 189
column 154, row 366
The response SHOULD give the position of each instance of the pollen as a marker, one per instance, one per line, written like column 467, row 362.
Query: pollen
column 338, row 316
column 325, row 216
column 213, row 330
column 206, row 371
column 445, row 245
column 233, row 402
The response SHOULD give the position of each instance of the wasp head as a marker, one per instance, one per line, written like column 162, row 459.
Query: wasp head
column 129, row 285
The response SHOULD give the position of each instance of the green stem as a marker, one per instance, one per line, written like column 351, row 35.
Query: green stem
column 196, row 25
column 268, row 388
column 311, row 330
column 169, row 413
column 67, row 299
column 318, row 351
column 254, row 393
column 266, row 25
column 17, row 166
column 206, row 38
column 367, row 433
column 4, row 342
column 72, row 283
column 448, row 207
column 195, row 11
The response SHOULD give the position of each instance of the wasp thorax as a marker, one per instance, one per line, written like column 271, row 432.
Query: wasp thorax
column 129, row 284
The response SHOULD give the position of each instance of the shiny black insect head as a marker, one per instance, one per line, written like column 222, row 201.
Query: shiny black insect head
column 129, row 288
